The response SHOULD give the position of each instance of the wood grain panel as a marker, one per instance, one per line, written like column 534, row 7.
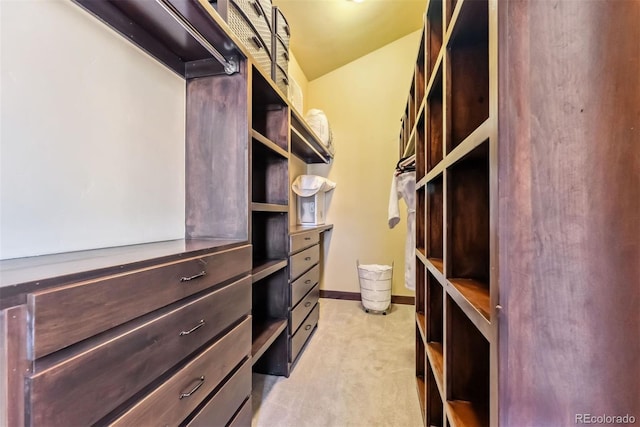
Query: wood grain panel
column 216, row 143
column 269, row 176
column 303, row 284
column 269, row 236
column 83, row 388
column 435, row 124
column 303, row 240
column 168, row 405
column 221, row 408
column 299, row 313
column 467, row 363
column 303, row 261
column 243, row 417
column 14, row 365
column 569, row 201
column 468, row 211
column 300, row 338
column 435, row 225
column 66, row 315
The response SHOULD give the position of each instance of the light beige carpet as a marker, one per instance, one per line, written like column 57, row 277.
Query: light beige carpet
column 358, row 370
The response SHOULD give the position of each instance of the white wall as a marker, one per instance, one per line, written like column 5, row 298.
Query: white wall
column 364, row 101
column 92, row 135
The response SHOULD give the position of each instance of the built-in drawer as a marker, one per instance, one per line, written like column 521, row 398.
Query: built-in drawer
column 300, row 337
column 282, row 80
column 300, row 312
column 66, row 315
column 175, row 399
column 243, row 417
column 303, row 284
column 304, row 260
column 281, row 26
column 243, row 17
column 221, row 408
column 97, row 375
column 303, row 240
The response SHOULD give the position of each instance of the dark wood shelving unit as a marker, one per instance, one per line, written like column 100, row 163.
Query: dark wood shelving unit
column 434, row 411
column 421, row 243
column 269, row 225
column 421, row 365
column 434, row 34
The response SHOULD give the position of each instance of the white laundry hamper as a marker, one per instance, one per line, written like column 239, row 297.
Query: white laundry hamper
column 375, row 286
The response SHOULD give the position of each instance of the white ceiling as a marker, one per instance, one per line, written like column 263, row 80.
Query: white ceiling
column 327, row 34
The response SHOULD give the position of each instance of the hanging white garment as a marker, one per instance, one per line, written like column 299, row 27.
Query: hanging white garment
column 403, row 186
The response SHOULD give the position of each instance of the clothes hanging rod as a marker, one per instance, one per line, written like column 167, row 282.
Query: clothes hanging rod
column 231, row 65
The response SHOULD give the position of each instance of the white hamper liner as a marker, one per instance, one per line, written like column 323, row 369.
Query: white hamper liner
column 375, row 286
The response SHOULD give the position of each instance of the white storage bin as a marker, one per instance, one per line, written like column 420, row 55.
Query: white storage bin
column 311, row 209
column 375, row 286
column 311, row 190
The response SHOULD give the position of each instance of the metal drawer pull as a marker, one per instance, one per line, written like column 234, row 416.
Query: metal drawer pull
column 307, row 238
column 256, row 41
column 306, row 328
column 193, row 390
column 286, row 56
column 286, row 30
column 307, row 281
column 308, row 304
column 257, row 8
column 197, row 276
column 285, row 81
column 307, row 258
column 198, row 326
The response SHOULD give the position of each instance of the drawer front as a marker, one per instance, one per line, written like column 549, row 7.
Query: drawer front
column 243, row 417
column 66, row 315
column 252, row 12
column 85, row 387
column 300, row 312
column 175, row 399
column 304, row 240
column 300, row 338
column 303, row 284
column 254, row 40
column 221, row 408
column 282, row 81
column 304, row 260
column 282, row 29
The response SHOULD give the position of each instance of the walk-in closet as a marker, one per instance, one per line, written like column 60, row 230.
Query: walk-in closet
column 319, row 213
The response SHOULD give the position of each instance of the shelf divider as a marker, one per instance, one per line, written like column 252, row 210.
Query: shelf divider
column 467, row 293
column 269, row 207
column 435, row 356
column 463, row 414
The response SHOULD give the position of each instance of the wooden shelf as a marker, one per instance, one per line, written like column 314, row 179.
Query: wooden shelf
column 435, row 356
column 437, row 263
column 266, row 268
column 305, row 144
column 269, row 207
column 421, row 322
column 264, row 334
column 463, row 414
column 476, row 293
column 269, row 144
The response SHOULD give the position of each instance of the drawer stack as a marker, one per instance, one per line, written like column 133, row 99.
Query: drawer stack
column 305, row 289
column 251, row 21
column 166, row 344
column 280, row 44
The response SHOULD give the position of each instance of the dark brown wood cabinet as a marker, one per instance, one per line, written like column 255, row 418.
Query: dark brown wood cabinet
column 527, row 253
column 184, row 327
